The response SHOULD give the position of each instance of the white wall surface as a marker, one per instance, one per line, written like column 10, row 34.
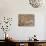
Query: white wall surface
column 11, row 8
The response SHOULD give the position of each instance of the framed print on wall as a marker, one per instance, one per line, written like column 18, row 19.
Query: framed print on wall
column 26, row 20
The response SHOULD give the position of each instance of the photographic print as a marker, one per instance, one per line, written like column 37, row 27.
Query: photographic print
column 26, row 20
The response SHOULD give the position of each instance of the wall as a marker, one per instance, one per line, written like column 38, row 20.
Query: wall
column 11, row 8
